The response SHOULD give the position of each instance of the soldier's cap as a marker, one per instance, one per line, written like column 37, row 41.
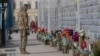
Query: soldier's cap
column 26, row 4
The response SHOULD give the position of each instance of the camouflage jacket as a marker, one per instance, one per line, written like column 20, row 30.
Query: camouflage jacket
column 22, row 20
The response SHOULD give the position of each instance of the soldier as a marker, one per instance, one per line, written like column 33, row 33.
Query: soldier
column 23, row 28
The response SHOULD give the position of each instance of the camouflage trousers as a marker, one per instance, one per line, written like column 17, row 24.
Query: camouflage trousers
column 23, row 39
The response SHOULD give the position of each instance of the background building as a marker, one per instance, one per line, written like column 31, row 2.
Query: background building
column 32, row 12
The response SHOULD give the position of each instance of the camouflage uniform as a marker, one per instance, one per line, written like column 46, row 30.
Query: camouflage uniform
column 23, row 26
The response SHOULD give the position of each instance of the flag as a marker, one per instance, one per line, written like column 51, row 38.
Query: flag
column 9, row 18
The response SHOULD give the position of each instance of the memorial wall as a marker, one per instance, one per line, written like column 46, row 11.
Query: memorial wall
column 59, row 14
column 90, row 16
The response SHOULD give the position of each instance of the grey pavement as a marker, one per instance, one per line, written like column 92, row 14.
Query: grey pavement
column 35, row 47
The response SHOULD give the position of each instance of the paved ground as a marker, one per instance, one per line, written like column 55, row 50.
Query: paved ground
column 35, row 48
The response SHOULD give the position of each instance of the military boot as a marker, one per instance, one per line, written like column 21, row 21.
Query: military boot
column 21, row 51
column 25, row 52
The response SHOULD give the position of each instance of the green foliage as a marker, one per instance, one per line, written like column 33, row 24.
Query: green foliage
column 96, row 50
